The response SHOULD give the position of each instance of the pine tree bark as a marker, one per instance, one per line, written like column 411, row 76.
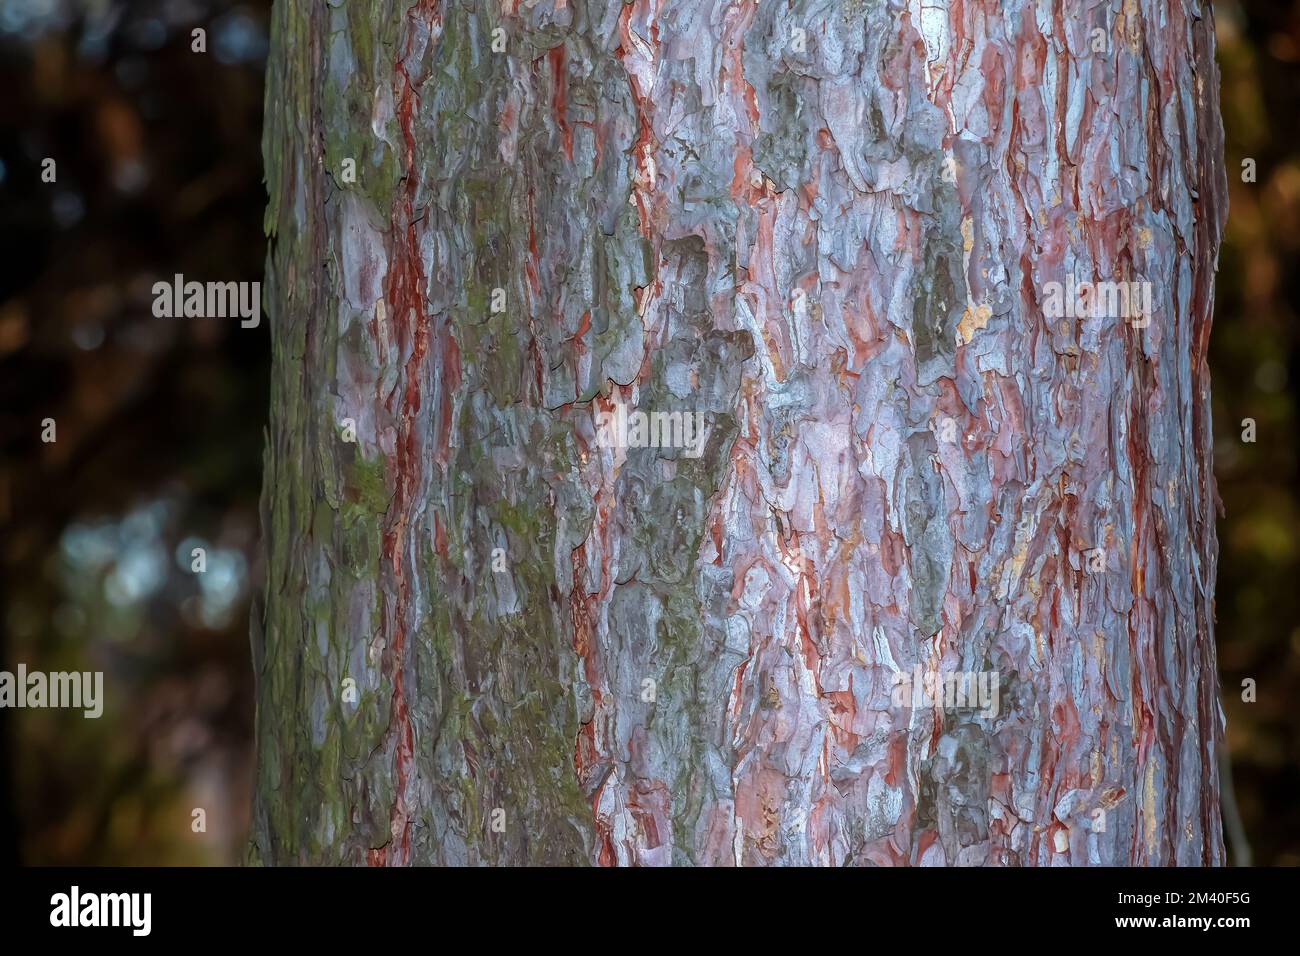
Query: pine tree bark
column 829, row 228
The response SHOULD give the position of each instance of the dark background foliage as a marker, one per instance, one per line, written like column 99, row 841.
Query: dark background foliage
column 160, row 422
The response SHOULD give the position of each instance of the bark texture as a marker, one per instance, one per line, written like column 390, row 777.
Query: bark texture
column 828, row 227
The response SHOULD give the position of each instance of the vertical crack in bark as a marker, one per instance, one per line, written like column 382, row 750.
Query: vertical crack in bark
column 630, row 806
column 407, row 309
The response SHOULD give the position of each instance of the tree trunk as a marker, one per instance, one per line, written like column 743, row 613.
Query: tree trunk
column 502, row 627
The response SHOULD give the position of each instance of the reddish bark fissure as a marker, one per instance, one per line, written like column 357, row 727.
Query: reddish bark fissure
column 411, row 325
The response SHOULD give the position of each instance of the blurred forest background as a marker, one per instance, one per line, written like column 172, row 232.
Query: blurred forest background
column 160, row 422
